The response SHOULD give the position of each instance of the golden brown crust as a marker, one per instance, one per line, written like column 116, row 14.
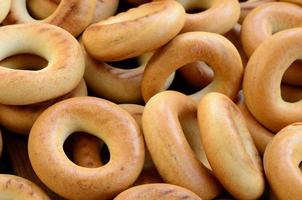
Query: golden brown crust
column 59, row 48
column 219, row 17
column 20, row 119
column 164, row 116
column 101, row 118
column 186, row 48
column 281, row 163
column 229, row 147
column 14, row 187
column 120, row 36
column 71, row 15
column 267, row 66
column 157, row 191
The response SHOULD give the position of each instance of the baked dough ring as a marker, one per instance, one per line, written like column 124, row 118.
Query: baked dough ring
column 71, row 15
column 20, row 119
column 220, row 16
column 127, row 82
column 229, row 147
column 267, row 66
column 247, row 6
column 121, row 36
column 42, row 9
column 86, row 151
column 281, row 163
column 4, row 9
column 65, row 66
column 186, row 48
column 96, row 116
column 14, row 187
column 157, row 191
column 164, row 116
column 260, row 134
column 293, row 1
column 268, row 19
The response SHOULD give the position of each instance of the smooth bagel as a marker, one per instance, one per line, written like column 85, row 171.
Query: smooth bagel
column 219, row 17
column 267, row 66
column 101, row 118
column 20, row 119
column 169, row 119
column 121, row 36
column 64, row 71
column 229, row 147
column 186, row 48
column 4, row 9
column 282, row 163
column 71, row 15
column 157, row 191
column 14, row 187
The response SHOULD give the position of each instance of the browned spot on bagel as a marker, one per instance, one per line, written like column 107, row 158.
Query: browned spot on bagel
column 8, row 183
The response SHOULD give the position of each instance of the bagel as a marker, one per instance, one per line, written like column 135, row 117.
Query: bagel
column 261, row 136
column 229, row 147
column 20, row 119
column 121, row 36
column 64, row 71
column 219, row 17
column 157, row 191
column 267, row 19
column 293, row 1
column 4, row 9
column 42, row 9
column 164, row 116
column 87, row 150
column 101, row 118
column 281, row 163
column 267, row 66
column 71, row 15
column 14, row 187
column 127, row 82
column 186, row 48
column 247, row 6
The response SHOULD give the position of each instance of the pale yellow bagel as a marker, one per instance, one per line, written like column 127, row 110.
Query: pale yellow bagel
column 164, row 116
column 20, row 119
column 219, row 17
column 186, row 48
column 71, row 15
column 101, row 118
column 229, row 147
column 134, row 32
column 4, row 9
column 17, row 188
column 157, row 192
column 299, row 2
column 262, row 79
column 42, row 9
column 65, row 66
column 281, row 163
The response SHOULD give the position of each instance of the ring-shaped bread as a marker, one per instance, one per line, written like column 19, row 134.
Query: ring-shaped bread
column 63, row 73
column 4, row 9
column 101, row 118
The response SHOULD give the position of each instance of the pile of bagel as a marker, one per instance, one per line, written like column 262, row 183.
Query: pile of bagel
column 106, row 70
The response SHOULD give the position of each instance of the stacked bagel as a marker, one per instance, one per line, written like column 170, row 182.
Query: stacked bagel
column 163, row 99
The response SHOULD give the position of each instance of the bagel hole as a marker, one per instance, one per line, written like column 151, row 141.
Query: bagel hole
column 76, row 148
column 24, row 62
column 195, row 10
column 192, row 77
column 130, row 63
column 291, row 87
column 39, row 14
